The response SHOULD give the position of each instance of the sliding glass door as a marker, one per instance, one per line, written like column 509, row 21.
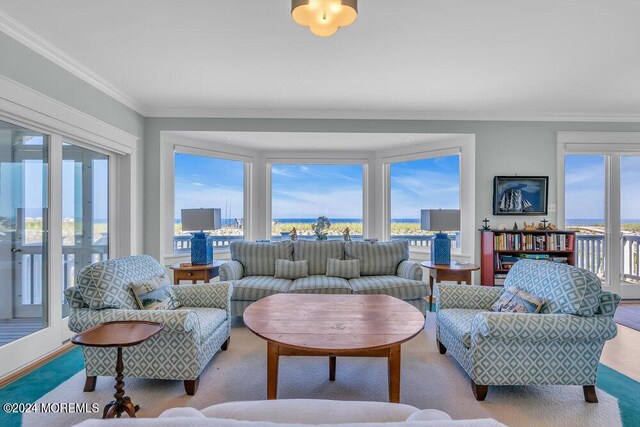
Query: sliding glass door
column 630, row 218
column 85, row 211
column 24, row 175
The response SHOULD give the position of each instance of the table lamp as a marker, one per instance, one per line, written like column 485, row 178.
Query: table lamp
column 440, row 220
column 202, row 220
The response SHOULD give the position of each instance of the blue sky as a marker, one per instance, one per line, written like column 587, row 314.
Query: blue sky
column 307, row 191
column 585, row 186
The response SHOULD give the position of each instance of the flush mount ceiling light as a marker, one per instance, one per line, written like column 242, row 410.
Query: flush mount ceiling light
column 324, row 17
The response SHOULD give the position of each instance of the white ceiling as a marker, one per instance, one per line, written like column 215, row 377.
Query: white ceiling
column 409, row 58
column 314, row 140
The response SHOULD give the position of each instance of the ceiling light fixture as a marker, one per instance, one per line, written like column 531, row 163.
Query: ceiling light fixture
column 324, row 17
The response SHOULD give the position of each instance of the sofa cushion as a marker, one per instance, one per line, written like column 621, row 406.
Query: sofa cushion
column 106, row 284
column 209, row 319
column 394, row 286
column 345, row 268
column 286, row 269
column 320, row 285
column 253, row 288
column 155, row 293
column 258, row 258
column 311, row 411
column 458, row 322
column 515, row 300
column 564, row 288
column 377, row 259
column 317, row 253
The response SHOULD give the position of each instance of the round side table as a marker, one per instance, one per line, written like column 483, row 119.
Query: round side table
column 453, row 272
column 118, row 334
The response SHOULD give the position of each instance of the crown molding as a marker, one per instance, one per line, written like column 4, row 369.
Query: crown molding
column 387, row 115
column 22, row 105
column 22, row 34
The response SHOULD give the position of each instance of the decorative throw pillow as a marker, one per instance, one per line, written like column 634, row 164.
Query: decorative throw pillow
column 155, row 293
column 514, row 300
column 286, row 269
column 346, row 269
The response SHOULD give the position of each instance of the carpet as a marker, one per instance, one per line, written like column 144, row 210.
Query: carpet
column 628, row 315
column 429, row 380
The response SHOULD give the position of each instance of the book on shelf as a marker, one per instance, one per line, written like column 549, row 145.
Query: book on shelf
column 513, row 241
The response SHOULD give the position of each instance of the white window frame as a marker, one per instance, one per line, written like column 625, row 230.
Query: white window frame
column 317, row 159
column 613, row 145
column 25, row 107
column 464, row 145
column 184, row 145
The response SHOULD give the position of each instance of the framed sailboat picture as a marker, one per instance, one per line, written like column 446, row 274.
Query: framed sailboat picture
column 520, row 195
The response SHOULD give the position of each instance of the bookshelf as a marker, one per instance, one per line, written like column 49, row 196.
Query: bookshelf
column 501, row 248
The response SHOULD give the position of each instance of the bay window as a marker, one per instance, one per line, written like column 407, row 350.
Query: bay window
column 208, row 182
column 302, row 193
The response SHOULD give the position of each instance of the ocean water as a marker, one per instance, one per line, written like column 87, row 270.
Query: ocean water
column 595, row 221
column 227, row 221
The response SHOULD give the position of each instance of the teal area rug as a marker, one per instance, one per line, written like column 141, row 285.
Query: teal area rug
column 39, row 382
column 36, row 384
column 625, row 389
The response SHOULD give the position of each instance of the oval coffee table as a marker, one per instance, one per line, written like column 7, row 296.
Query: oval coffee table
column 334, row 325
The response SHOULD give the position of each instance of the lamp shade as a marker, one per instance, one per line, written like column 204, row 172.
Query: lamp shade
column 201, row 219
column 440, row 219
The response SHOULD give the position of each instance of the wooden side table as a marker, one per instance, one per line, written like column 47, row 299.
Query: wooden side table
column 193, row 273
column 453, row 272
column 118, row 334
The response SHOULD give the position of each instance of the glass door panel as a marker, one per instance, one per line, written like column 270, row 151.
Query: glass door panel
column 630, row 218
column 23, row 231
column 85, row 211
column 585, row 209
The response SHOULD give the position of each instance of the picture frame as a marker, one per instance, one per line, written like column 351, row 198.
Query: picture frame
column 520, row 195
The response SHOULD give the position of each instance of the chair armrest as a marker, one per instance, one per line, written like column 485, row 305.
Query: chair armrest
column 409, row 270
column 176, row 321
column 74, row 298
column 608, row 304
column 542, row 327
column 215, row 295
column 466, row 296
column 231, row 270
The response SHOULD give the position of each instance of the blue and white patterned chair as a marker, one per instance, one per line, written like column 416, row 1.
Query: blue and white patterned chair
column 192, row 334
column 561, row 345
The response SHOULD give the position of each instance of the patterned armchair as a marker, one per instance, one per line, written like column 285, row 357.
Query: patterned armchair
column 561, row 345
column 192, row 334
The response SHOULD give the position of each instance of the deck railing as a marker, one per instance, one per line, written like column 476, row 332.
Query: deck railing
column 182, row 243
column 590, row 253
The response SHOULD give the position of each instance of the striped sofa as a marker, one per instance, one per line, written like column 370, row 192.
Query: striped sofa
column 384, row 269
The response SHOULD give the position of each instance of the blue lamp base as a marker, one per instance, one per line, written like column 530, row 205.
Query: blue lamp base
column 201, row 249
column 441, row 249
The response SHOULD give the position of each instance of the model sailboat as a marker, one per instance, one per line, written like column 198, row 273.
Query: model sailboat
column 513, row 201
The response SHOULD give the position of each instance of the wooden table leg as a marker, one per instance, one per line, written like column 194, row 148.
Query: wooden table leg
column 431, row 294
column 394, row 373
column 272, row 370
column 332, row 368
column 121, row 403
column 467, row 277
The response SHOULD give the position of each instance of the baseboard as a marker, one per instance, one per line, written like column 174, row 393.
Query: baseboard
column 35, row 364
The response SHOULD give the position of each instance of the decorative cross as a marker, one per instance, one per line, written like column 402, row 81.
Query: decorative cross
column 486, row 224
column 544, row 224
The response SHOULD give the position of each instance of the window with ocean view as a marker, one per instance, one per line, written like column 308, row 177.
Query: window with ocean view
column 302, row 193
column 630, row 217
column 432, row 183
column 585, row 209
column 208, row 182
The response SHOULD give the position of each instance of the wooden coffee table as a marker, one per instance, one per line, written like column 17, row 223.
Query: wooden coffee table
column 118, row 334
column 334, row 326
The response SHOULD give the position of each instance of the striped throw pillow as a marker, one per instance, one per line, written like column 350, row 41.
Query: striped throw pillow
column 286, row 269
column 346, row 269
